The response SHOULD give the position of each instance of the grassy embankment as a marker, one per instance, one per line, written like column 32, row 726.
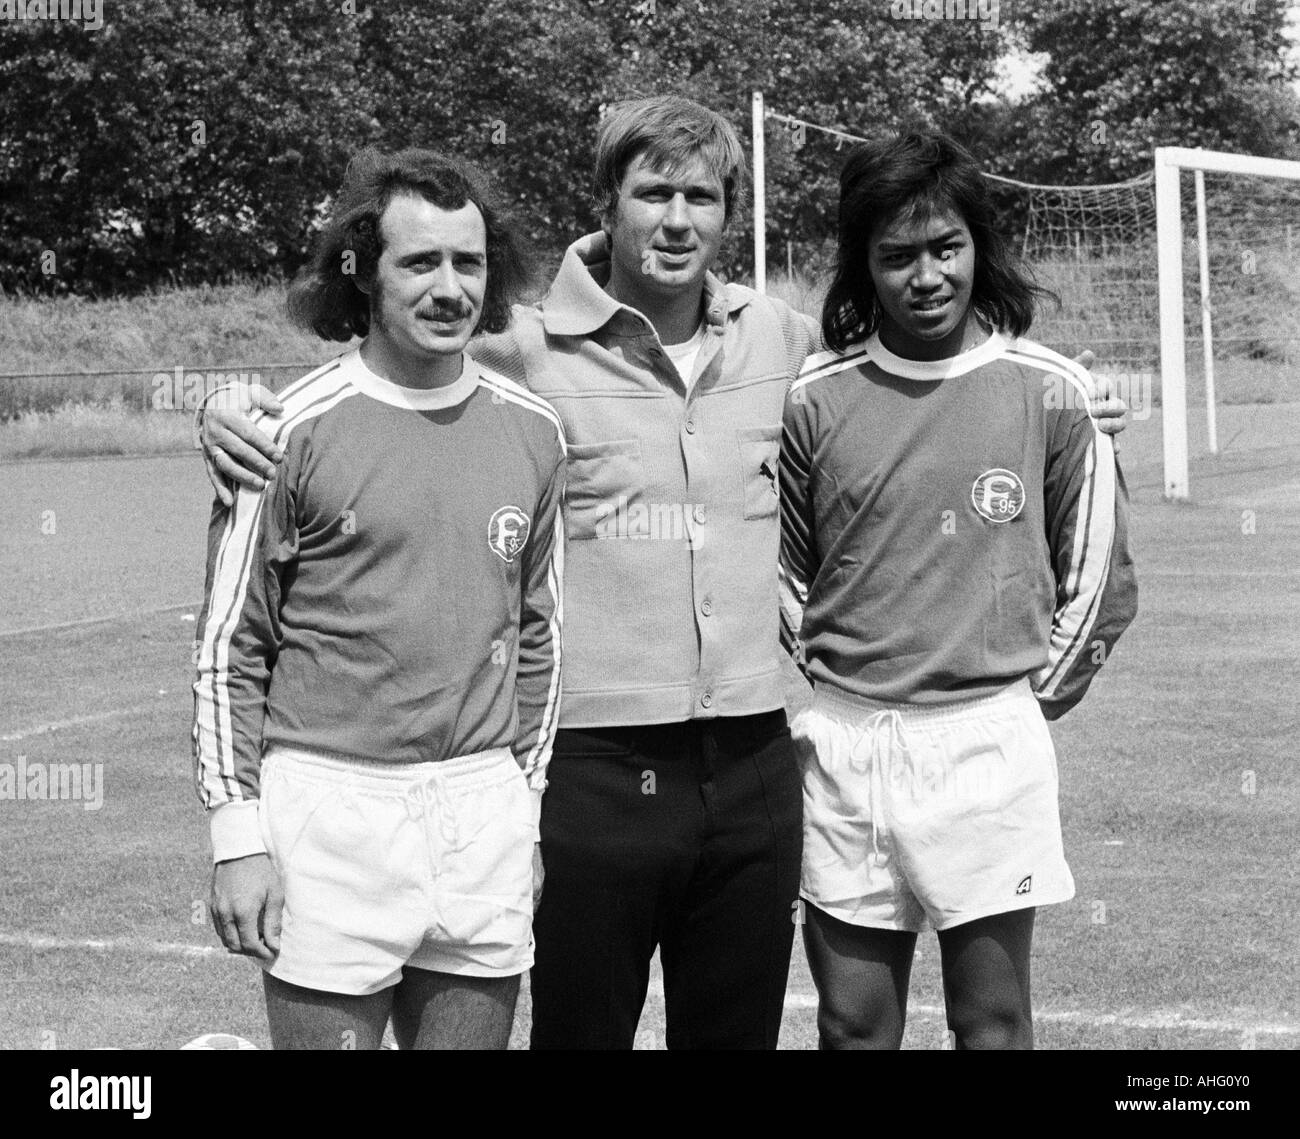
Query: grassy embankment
column 205, row 330
column 240, row 329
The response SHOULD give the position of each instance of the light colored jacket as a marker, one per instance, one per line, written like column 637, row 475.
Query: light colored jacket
column 671, row 609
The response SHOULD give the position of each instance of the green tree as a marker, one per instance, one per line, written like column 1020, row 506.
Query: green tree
column 190, row 140
column 186, row 141
column 1124, row 76
column 519, row 86
column 516, row 87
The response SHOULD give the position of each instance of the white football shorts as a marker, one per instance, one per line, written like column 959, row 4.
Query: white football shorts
column 386, row 865
column 939, row 814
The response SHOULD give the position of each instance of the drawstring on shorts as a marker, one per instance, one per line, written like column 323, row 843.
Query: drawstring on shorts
column 890, row 720
column 434, row 792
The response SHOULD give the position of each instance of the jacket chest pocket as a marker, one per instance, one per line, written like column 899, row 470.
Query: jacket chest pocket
column 601, row 481
column 760, row 451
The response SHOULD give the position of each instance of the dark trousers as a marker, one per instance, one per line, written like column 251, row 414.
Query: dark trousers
column 683, row 836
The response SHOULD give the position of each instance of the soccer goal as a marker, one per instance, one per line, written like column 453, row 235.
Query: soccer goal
column 1247, row 251
column 1160, row 301
column 1153, row 302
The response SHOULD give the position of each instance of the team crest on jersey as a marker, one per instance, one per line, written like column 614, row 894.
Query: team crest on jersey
column 508, row 531
column 998, row 495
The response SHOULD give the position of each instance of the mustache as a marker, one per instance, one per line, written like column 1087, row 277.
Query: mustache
column 448, row 310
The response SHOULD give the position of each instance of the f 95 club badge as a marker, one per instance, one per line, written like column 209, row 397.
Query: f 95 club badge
column 998, row 495
column 508, row 531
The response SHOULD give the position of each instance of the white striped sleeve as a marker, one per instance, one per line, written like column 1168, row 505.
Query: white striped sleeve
column 1096, row 590
column 540, row 636
column 238, row 633
column 538, row 683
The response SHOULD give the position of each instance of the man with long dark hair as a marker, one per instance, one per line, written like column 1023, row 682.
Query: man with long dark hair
column 955, row 570
column 379, row 647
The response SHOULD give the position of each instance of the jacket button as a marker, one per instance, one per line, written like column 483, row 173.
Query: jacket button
column 706, row 606
column 706, row 700
column 690, row 427
column 699, row 513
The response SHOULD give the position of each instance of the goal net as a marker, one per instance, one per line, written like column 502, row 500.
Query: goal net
column 1094, row 247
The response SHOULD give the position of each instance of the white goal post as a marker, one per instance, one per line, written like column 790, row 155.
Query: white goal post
column 1170, row 161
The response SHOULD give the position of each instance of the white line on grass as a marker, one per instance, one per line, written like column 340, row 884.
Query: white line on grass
column 112, row 945
column 1150, row 1019
column 1148, row 571
column 74, row 722
column 194, row 605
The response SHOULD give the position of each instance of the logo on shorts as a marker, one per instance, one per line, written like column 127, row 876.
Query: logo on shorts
column 1026, row 884
column 998, row 495
column 508, row 531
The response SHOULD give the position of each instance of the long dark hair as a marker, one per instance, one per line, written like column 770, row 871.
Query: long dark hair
column 325, row 298
column 919, row 175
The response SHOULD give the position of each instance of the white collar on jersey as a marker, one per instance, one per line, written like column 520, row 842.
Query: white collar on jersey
column 958, row 365
column 412, row 399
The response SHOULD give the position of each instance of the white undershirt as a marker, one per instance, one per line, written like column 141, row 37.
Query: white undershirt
column 683, row 355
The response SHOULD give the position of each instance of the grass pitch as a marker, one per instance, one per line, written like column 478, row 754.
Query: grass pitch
column 1179, row 784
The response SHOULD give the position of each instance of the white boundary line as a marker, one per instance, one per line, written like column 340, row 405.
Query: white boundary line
column 1148, row 1018
column 1141, row 1019
column 195, row 605
column 1151, row 572
column 74, row 722
column 112, row 945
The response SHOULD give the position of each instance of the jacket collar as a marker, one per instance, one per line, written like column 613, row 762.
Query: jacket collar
column 577, row 304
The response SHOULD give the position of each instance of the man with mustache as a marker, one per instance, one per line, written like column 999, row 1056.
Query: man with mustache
column 672, row 818
column 379, row 652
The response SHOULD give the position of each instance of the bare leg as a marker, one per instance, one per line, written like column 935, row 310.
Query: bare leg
column 442, row 1010
column 309, row 1018
column 986, row 981
column 861, row 976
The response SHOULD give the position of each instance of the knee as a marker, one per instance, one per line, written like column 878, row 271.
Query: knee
column 838, row 1031
column 988, row 1027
